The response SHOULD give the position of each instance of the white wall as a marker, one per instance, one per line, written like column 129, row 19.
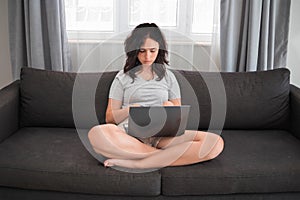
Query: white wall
column 293, row 57
column 5, row 66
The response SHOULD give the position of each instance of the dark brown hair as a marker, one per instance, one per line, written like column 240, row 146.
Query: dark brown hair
column 132, row 47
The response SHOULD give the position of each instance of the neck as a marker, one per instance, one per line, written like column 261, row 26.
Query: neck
column 147, row 68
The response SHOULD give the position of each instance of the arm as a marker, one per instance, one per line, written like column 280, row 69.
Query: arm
column 295, row 110
column 114, row 112
column 9, row 110
column 174, row 91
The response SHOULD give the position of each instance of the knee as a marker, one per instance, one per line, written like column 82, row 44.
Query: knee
column 93, row 134
column 217, row 148
column 97, row 133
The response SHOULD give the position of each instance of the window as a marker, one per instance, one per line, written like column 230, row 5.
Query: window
column 142, row 11
column 89, row 15
column 100, row 19
column 203, row 16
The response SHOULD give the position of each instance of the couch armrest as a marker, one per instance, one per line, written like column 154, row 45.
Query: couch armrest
column 295, row 110
column 9, row 110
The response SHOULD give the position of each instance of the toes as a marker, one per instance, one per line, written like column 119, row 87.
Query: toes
column 108, row 163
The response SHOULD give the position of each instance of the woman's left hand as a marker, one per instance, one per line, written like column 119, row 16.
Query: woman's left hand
column 168, row 103
column 172, row 102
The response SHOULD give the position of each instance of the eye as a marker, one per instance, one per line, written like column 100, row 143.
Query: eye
column 153, row 50
column 142, row 50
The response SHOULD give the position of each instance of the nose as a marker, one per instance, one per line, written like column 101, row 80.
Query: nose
column 148, row 54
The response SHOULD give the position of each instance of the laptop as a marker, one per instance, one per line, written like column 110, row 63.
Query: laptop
column 157, row 121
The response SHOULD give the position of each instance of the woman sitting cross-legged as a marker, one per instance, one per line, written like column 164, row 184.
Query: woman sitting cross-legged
column 145, row 81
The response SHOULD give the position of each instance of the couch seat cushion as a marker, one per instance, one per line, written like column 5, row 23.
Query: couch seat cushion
column 55, row 159
column 252, row 162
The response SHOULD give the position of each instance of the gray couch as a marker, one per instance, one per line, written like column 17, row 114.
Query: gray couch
column 43, row 155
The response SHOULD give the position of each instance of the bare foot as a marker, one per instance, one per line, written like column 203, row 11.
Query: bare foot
column 121, row 163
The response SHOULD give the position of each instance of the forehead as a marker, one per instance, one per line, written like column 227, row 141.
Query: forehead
column 150, row 43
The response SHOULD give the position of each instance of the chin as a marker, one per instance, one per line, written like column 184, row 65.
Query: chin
column 147, row 64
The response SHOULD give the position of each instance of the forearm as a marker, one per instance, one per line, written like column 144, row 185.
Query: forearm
column 117, row 116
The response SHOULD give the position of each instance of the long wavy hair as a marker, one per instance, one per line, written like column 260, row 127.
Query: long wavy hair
column 133, row 44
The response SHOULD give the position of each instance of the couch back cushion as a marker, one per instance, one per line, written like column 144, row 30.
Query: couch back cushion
column 63, row 99
column 253, row 100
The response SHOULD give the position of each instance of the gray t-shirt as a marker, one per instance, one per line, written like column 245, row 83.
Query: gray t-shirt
column 144, row 92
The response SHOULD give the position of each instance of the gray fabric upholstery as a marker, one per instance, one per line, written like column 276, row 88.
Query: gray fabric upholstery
column 17, row 194
column 47, row 98
column 9, row 110
column 48, row 160
column 267, row 162
column 295, row 110
column 55, row 159
column 252, row 162
column 254, row 100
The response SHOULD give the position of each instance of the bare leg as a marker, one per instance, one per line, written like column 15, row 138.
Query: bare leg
column 177, row 154
column 188, row 136
column 112, row 142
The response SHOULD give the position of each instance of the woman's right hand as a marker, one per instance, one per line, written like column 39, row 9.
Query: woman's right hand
column 114, row 112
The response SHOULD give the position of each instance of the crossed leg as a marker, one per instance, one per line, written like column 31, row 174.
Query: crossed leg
column 113, row 142
column 126, row 151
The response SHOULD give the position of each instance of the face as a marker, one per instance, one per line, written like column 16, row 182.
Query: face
column 148, row 52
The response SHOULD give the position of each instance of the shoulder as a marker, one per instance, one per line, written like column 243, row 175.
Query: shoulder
column 122, row 77
column 169, row 71
column 170, row 75
column 120, row 74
